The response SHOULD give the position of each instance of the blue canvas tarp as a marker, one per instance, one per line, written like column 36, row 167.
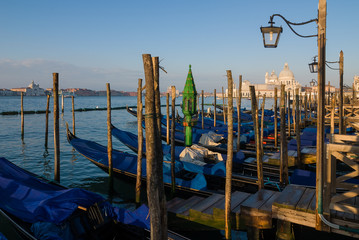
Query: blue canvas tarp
column 128, row 163
column 32, row 200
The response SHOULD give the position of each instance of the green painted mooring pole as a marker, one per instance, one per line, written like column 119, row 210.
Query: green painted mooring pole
column 189, row 106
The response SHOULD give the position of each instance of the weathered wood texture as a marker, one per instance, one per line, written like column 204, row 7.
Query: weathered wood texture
column 73, row 114
column 229, row 162
column 153, row 180
column 239, row 103
column 140, row 141
column 55, row 95
column 215, row 108
column 22, row 115
column 173, row 144
column 47, row 120
column 275, row 117
column 283, row 141
column 109, row 135
column 257, row 137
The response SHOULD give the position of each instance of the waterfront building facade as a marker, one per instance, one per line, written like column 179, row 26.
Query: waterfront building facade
column 31, row 90
column 272, row 81
column 6, row 92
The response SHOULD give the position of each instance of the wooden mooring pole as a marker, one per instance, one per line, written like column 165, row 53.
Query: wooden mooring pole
column 224, row 106
column 140, row 141
column 293, row 111
column 332, row 114
column 173, row 143
column 215, row 108
column 239, row 103
column 229, row 162
column 310, row 106
column 275, row 117
column 73, row 114
column 55, row 94
column 62, row 103
column 262, row 125
column 257, row 137
column 202, row 109
column 341, row 96
column 305, row 107
column 157, row 212
column 297, row 129
column 159, row 151
column 109, row 135
column 22, row 116
column 321, row 154
column 283, row 170
column 47, row 120
column 168, row 118
column 288, row 114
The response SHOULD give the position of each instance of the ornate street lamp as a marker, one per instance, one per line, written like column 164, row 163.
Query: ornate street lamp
column 271, row 35
column 313, row 67
column 313, row 82
column 189, row 106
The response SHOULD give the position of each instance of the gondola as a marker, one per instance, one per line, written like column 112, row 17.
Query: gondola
column 213, row 170
column 125, row 166
column 40, row 209
column 131, row 111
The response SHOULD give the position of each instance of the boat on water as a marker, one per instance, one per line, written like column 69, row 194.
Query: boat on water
column 125, row 166
column 42, row 209
column 200, row 160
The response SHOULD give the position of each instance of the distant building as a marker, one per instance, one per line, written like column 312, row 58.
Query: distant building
column 32, row 90
column 169, row 90
column 6, row 92
column 356, row 83
column 272, row 81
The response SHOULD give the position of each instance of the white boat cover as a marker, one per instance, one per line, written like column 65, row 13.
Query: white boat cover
column 196, row 154
column 210, row 139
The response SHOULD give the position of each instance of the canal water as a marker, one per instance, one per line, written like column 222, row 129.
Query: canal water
column 75, row 170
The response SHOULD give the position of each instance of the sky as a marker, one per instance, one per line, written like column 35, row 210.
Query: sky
column 92, row 42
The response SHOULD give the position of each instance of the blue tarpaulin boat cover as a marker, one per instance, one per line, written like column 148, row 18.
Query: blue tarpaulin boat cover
column 29, row 199
column 128, row 163
column 35, row 201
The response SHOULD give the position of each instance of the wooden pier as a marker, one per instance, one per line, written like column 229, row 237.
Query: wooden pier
column 295, row 204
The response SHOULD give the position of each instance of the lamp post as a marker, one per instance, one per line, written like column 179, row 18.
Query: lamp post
column 189, row 106
column 313, row 67
column 321, row 37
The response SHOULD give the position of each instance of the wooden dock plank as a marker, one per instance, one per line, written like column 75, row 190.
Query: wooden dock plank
column 294, row 216
column 305, row 200
column 205, row 203
column 186, row 204
column 173, row 202
column 258, row 199
column 267, row 206
column 251, row 213
column 312, row 206
column 236, row 199
column 290, row 196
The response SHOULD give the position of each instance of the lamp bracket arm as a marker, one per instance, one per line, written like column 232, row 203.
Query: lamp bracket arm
column 296, row 24
column 326, row 63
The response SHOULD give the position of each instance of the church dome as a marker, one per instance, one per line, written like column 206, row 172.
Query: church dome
column 286, row 73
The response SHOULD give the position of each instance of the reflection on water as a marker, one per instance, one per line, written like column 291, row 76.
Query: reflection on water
column 73, row 156
column 46, row 163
